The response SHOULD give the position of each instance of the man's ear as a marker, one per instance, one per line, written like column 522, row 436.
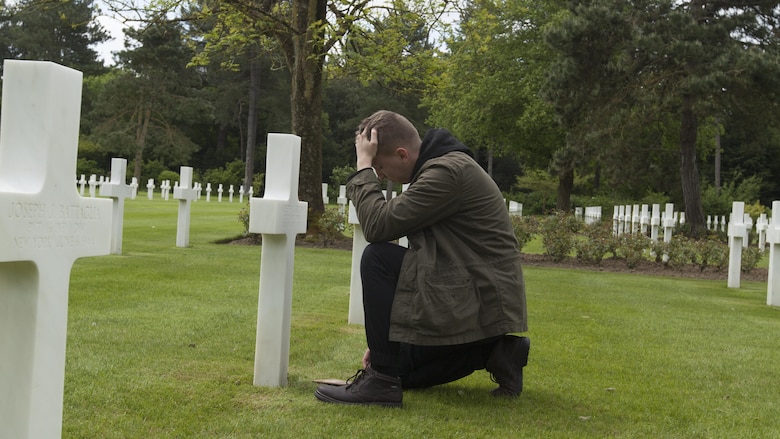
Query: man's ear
column 402, row 153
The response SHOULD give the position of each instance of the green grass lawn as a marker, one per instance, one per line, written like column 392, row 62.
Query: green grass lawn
column 161, row 344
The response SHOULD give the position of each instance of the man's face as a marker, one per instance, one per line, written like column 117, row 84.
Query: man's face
column 394, row 167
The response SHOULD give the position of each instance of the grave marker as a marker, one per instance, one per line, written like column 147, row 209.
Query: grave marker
column 342, row 199
column 117, row 189
column 515, row 208
column 185, row 194
column 616, row 221
column 92, row 184
column 278, row 216
column 82, row 183
column 356, row 315
column 635, row 220
column 134, row 187
column 644, row 220
column 773, row 239
column 736, row 235
column 655, row 222
column 761, row 226
column 46, row 226
column 150, row 189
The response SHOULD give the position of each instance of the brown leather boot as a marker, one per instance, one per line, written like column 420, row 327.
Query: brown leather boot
column 506, row 362
column 367, row 387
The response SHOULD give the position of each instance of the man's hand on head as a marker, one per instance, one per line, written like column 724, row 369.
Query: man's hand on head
column 365, row 148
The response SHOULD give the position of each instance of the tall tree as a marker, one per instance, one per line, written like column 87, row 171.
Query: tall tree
column 489, row 92
column 144, row 106
column 48, row 30
column 305, row 32
column 625, row 65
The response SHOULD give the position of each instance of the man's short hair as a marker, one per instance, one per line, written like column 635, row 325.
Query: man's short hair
column 393, row 131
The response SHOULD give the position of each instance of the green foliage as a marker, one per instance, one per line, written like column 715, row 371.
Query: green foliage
column 152, row 169
column 719, row 203
column 168, row 175
column 339, row 174
column 558, row 234
column 712, row 252
column 88, row 167
column 231, row 173
column 485, row 95
column 258, row 182
column 331, row 228
column 338, row 177
column 750, row 258
column 680, row 252
column 243, row 218
column 59, row 31
column 525, row 227
column 537, row 191
column 632, row 248
column 596, row 241
column 755, row 210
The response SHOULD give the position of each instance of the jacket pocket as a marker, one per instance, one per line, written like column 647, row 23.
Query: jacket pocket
column 447, row 305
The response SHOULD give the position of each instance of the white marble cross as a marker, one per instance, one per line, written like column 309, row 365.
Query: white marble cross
column 92, row 185
column 736, row 235
column 356, row 315
column 82, row 182
column 325, row 197
column 185, row 194
column 342, row 198
column 118, row 189
column 134, row 187
column 150, row 189
column 655, row 222
column 773, row 239
column 44, row 227
column 278, row 216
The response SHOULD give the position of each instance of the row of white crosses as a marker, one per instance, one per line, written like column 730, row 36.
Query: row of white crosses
column 589, row 215
column 633, row 219
column 165, row 188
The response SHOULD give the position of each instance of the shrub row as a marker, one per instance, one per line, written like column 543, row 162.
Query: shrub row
column 562, row 236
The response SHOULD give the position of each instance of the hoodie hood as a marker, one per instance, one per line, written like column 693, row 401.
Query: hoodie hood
column 437, row 142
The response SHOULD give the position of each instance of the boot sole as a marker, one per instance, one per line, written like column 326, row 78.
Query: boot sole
column 325, row 398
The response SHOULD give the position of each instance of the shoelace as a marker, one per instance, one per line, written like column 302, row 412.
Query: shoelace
column 354, row 378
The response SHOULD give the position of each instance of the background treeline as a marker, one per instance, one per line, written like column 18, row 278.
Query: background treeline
column 565, row 103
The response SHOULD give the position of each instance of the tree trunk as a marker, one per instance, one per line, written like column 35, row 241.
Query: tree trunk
column 251, row 120
column 306, row 101
column 689, row 173
column 565, row 187
column 141, row 129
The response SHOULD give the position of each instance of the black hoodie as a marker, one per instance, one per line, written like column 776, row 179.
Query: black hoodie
column 437, row 142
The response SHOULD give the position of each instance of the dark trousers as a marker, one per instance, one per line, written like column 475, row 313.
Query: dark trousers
column 418, row 366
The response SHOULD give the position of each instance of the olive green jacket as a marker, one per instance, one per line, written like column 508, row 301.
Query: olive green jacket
column 461, row 279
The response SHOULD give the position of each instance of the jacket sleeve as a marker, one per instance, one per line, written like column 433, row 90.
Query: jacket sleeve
column 435, row 195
